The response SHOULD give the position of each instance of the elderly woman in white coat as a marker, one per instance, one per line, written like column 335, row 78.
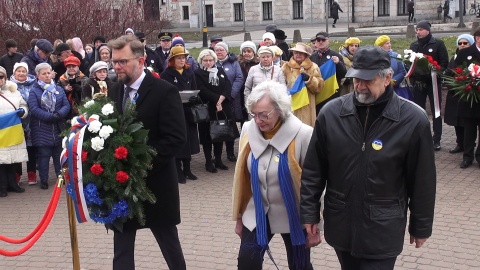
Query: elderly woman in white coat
column 264, row 71
column 12, row 146
column 267, row 179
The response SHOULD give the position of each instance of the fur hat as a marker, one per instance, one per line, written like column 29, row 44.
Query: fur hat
column 381, row 40
column 303, row 48
column 97, row 66
column 269, row 36
column 222, row 44
column 20, row 64
column 248, row 44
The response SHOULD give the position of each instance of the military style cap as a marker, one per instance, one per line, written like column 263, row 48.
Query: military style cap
column 165, row 36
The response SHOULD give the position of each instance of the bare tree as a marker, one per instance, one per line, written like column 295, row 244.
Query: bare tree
column 63, row 19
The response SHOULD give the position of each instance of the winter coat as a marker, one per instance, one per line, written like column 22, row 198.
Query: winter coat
column 75, row 95
column 452, row 102
column 315, row 83
column 15, row 153
column 384, row 171
column 257, row 75
column 320, row 59
column 464, row 58
column 235, row 75
column 153, row 60
column 286, row 53
column 159, row 109
column 45, row 130
column 33, row 61
column 60, row 69
column 334, row 8
column 24, row 88
column 239, row 104
column 9, row 60
column 92, row 87
column 210, row 94
column 410, row 6
column 185, row 81
column 265, row 150
column 398, row 69
column 436, row 49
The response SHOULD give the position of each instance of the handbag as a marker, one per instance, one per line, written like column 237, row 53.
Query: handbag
column 200, row 112
column 222, row 130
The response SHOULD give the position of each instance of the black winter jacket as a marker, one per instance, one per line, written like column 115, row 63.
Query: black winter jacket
column 464, row 58
column 340, row 69
column 371, row 177
column 8, row 61
column 436, row 49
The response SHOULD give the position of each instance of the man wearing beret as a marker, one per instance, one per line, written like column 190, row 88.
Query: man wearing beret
column 422, row 85
column 164, row 49
column 38, row 54
column 214, row 40
column 383, row 144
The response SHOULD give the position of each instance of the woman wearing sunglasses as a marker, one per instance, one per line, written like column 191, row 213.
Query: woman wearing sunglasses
column 451, row 117
column 347, row 51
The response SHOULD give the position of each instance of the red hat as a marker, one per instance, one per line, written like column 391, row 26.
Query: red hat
column 71, row 60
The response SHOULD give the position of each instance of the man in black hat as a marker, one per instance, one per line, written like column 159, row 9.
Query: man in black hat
column 214, row 40
column 280, row 40
column 321, row 43
column 62, row 51
column 153, row 59
column 9, row 59
column 40, row 53
column 384, row 146
column 422, row 83
column 164, row 49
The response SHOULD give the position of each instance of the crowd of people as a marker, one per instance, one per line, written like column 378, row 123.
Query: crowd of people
column 287, row 156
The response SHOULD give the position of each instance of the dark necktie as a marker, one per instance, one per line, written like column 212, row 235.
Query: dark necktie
column 126, row 96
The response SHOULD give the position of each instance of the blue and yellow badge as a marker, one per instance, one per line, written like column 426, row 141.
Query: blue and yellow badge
column 377, row 144
column 277, row 158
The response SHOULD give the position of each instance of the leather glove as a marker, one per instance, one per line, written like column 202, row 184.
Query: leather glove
column 21, row 112
column 193, row 99
column 305, row 77
column 56, row 117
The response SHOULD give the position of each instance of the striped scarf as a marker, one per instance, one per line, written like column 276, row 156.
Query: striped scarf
column 48, row 98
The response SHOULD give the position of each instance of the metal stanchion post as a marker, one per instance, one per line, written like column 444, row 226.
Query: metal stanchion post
column 73, row 232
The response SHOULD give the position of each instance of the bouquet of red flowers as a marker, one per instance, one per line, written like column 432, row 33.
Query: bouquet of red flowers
column 465, row 82
column 420, row 64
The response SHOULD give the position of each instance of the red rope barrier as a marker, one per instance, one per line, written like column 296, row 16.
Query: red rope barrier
column 29, row 236
column 41, row 229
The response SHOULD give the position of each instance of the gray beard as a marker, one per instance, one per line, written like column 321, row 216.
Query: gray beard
column 366, row 98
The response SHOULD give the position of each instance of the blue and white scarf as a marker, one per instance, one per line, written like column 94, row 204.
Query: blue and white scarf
column 48, row 99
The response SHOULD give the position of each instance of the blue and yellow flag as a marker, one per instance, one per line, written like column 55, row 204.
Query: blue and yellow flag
column 11, row 131
column 299, row 94
column 329, row 74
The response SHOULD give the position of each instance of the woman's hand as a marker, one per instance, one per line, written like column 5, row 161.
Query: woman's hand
column 219, row 107
column 239, row 227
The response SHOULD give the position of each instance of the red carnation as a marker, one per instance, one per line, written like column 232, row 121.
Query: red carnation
column 156, row 75
column 122, row 177
column 459, row 70
column 84, row 156
column 437, row 67
column 121, row 152
column 435, row 63
column 467, row 88
column 430, row 59
column 96, row 169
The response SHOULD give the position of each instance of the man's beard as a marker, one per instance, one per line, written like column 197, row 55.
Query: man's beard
column 125, row 80
column 365, row 97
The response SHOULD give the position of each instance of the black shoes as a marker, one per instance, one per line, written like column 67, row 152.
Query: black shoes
column 210, row 168
column 465, row 164
column 44, row 185
column 16, row 189
column 219, row 165
column 3, row 193
column 457, row 149
column 437, row 146
column 231, row 157
column 190, row 175
column 333, row 25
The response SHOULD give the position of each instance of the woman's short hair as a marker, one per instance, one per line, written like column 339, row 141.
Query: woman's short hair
column 206, row 52
column 279, row 97
column 42, row 66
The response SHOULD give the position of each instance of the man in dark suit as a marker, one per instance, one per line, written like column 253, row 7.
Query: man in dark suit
column 470, row 112
column 159, row 108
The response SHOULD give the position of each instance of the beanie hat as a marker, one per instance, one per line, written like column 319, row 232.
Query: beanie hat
column 178, row 41
column 381, row 40
column 222, row 44
column 20, row 64
column 3, row 72
column 104, row 46
column 265, row 49
column 248, row 44
column 271, row 27
column 424, row 24
column 129, row 30
column 468, row 37
column 352, row 40
column 71, row 60
column 269, row 36
column 97, row 66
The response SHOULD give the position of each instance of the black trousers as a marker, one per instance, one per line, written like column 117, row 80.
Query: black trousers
column 348, row 262
column 410, row 16
column 470, row 136
column 460, row 134
column 250, row 255
column 31, row 163
column 167, row 239
column 7, row 175
column 420, row 98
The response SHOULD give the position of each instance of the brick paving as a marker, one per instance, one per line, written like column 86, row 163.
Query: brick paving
column 207, row 235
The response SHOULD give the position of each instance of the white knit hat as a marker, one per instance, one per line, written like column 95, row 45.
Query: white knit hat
column 248, row 44
column 20, row 64
column 97, row 66
column 269, row 36
column 222, row 44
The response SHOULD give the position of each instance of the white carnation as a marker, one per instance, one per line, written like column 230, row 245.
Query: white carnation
column 89, row 103
column 94, row 116
column 97, row 143
column 64, row 143
column 105, row 132
column 107, row 109
column 94, row 126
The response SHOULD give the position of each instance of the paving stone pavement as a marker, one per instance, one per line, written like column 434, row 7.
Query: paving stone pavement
column 207, row 231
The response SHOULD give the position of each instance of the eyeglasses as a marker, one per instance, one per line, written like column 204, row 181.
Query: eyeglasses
column 208, row 60
column 463, row 43
column 123, row 62
column 261, row 116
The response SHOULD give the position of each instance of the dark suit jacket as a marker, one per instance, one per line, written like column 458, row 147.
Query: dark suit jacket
column 464, row 58
column 159, row 108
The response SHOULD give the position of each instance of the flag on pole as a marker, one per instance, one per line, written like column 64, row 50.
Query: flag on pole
column 329, row 74
column 299, row 94
column 11, row 131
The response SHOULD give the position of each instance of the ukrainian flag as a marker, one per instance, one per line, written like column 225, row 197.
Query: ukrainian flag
column 328, row 70
column 11, row 131
column 299, row 94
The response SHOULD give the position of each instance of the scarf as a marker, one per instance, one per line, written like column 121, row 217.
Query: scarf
column 423, row 41
column 266, row 69
column 103, row 87
column 344, row 52
column 212, row 75
column 48, row 98
column 25, row 86
column 38, row 59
